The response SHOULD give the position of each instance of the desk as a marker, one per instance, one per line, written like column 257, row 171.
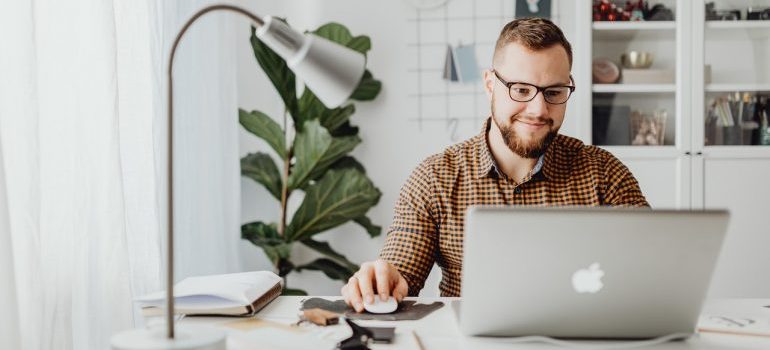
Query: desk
column 439, row 329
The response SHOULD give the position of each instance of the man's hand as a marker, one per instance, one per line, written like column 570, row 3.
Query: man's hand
column 374, row 277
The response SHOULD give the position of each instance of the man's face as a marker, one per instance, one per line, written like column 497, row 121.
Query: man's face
column 527, row 127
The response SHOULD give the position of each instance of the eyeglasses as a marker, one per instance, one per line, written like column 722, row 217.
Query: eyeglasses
column 525, row 92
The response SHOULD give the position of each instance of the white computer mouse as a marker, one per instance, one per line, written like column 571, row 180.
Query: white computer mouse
column 381, row 307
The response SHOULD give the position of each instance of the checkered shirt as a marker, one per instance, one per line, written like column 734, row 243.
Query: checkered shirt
column 428, row 217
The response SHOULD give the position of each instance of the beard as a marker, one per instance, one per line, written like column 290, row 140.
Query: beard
column 526, row 149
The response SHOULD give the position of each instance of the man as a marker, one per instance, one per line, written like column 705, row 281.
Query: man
column 518, row 159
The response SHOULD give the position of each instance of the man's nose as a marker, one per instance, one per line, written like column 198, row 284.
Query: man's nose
column 537, row 107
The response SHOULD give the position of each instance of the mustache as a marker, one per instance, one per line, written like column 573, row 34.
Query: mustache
column 536, row 120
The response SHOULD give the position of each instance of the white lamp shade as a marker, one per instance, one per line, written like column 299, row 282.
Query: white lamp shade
column 330, row 70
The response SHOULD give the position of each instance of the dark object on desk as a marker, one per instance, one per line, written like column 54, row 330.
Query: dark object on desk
column 408, row 310
column 359, row 340
column 382, row 335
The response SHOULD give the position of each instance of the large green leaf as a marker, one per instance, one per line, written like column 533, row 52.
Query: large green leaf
column 264, row 127
column 361, row 43
column 316, row 150
column 334, row 118
column 372, row 229
column 310, row 107
column 344, row 163
column 339, row 196
column 261, row 168
column 348, row 162
column 335, row 32
column 329, row 267
column 340, row 34
column 325, row 249
column 277, row 71
column 266, row 237
column 367, row 89
column 346, row 129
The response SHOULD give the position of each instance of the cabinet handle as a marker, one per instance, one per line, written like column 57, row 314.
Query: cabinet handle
column 699, row 153
column 687, row 153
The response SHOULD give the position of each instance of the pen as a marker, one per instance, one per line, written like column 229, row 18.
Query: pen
column 418, row 341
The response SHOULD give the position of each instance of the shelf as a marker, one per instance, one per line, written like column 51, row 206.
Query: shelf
column 634, row 88
column 634, row 26
column 737, row 24
column 644, row 152
column 622, row 31
column 737, row 87
column 736, row 152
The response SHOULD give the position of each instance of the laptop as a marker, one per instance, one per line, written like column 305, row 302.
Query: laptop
column 586, row 272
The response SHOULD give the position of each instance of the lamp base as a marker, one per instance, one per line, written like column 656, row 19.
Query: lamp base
column 186, row 338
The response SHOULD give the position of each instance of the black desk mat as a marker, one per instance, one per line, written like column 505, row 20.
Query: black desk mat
column 408, row 310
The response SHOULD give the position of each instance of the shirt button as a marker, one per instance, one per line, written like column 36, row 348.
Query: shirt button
column 517, row 190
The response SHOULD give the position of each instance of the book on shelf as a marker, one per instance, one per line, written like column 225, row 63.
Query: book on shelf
column 235, row 294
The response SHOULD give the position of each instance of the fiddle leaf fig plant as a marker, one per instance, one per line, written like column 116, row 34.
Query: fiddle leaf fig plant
column 316, row 161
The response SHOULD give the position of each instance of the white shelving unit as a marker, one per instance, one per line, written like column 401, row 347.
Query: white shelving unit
column 688, row 174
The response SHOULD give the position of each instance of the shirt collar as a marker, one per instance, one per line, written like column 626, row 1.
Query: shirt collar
column 487, row 164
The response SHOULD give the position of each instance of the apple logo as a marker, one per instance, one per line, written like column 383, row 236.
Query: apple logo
column 588, row 280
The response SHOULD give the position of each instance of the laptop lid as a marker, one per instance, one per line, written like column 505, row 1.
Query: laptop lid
column 586, row 272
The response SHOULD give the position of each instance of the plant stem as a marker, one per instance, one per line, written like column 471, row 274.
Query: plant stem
column 285, row 177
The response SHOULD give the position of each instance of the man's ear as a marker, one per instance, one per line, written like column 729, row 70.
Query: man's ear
column 489, row 82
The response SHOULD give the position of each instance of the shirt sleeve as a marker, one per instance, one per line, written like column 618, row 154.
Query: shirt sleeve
column 411, row 241
column 621, row 188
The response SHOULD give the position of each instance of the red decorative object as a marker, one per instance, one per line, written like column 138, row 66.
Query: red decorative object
column 608, row 10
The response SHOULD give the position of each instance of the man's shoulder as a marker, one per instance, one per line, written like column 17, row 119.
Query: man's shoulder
column 574, row 148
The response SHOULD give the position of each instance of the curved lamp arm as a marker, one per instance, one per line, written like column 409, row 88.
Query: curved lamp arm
column 330, row 70
column 170, row 147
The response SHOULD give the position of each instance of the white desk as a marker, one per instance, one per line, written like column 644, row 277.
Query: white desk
column 439, row 330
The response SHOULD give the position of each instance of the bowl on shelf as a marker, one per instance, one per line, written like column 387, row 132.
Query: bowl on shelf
column 636, row 59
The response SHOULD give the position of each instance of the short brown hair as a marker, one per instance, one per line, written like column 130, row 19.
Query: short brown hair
column 534, row 34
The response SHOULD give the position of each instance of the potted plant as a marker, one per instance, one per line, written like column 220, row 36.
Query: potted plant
column 316, row 161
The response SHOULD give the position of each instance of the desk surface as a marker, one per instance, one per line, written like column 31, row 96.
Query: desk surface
column 439, row 329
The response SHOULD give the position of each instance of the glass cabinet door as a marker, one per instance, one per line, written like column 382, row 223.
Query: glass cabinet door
column 634, row 73
column 736, row 73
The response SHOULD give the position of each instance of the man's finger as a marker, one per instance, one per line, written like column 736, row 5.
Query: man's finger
column 383, row 279
column 354, row 295
column 364, row 276
column 345, row 291
column 402, row 288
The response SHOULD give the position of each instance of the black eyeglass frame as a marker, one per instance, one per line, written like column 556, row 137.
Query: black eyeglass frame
column 540, row 89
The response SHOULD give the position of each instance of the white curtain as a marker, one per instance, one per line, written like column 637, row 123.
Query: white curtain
column 82, row 137
column 9, row 331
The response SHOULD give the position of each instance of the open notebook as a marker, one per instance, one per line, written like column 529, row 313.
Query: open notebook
column 235, row 294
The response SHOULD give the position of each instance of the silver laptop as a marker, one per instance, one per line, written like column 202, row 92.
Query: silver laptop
column 586, row 272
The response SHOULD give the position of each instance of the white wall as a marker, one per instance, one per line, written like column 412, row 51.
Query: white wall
column 392, row 144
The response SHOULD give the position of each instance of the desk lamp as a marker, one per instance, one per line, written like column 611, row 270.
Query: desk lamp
column 330, row 70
